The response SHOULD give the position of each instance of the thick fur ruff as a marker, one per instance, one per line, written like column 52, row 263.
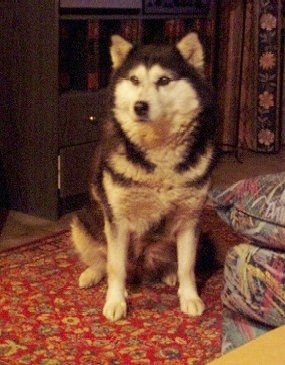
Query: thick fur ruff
column 150, row 173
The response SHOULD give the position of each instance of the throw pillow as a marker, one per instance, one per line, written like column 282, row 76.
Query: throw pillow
column 255, row 208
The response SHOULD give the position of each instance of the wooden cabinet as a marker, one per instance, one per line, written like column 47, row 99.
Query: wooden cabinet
column 28, row 58
column 49, row 135
column 79, row 114
column 42, row 127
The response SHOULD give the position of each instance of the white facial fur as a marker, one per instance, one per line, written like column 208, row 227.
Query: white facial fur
column 171, row 105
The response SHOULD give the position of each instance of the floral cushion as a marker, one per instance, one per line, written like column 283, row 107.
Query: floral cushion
column 255, row 208
column 254, row 284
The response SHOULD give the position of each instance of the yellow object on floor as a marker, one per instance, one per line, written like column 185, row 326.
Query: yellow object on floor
column 267, row 349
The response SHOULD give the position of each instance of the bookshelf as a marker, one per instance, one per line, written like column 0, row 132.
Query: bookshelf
column 55, row 56
column 84, row 36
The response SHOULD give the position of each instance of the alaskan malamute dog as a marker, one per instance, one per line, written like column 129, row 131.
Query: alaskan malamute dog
column 150, row 173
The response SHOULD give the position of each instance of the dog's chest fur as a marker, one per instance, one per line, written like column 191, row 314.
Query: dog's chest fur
column 144, row 197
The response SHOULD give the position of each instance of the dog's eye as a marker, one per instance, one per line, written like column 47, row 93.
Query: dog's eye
column 163, row 81
column 134, row 80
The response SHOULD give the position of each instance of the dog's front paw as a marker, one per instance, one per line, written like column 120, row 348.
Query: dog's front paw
column 115, row 310
column 192, row 306
column 89, row 278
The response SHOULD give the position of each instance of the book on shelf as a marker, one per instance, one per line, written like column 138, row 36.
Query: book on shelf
column 174, row 29
column 93, row 55
column 129, row 29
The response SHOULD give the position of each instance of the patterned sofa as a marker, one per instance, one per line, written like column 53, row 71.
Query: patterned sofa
column 254, row 273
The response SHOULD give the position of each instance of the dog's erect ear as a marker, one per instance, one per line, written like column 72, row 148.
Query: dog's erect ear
column 119, row 50
column 192, row 51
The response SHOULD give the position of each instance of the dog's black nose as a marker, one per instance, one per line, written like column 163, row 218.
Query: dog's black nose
column 141, row 108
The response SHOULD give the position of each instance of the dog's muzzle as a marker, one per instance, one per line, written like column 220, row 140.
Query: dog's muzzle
column 141, row 109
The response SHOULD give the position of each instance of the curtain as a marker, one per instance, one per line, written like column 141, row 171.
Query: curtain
column 283, row 76
column 249, row 74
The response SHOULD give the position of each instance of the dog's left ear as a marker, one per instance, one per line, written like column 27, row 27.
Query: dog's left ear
column 119, row 50
column 192, row 51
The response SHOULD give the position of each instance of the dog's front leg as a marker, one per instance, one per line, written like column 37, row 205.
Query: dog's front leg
column 117, row 240
column 190, row 301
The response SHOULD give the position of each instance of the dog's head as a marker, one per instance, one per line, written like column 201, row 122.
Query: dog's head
column 158, row 89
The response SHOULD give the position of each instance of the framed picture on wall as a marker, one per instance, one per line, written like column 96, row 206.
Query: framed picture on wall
column 191, row 7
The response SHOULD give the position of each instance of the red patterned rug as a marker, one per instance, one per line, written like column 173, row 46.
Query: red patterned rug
column 45, row 319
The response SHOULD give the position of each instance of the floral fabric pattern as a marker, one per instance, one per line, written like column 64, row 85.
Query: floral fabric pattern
column 255, row 208
column 45, row 319
column 255, row 284
column 249, row 86
column 268, row 81
column 254, row 294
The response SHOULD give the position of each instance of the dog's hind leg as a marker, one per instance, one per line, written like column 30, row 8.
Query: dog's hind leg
column 92, row 252
column 187, row 241
column 117, row 248
column 170, row 279
column 92, row 275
